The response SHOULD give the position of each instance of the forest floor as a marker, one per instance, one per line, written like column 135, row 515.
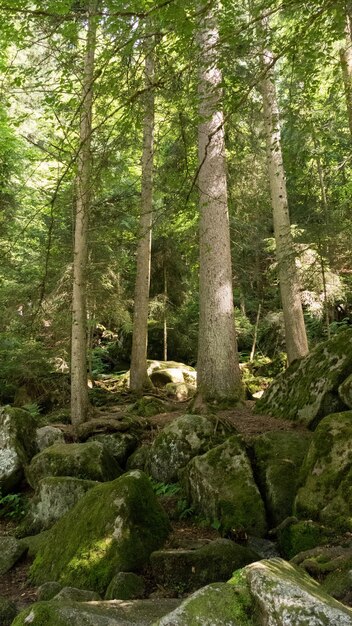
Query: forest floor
column 15, row 586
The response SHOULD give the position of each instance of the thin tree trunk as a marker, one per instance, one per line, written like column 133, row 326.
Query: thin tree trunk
column 79, row 388
column 139, row 379
column 218, row 368
column 165, row 314
column 255, row 334
column 346, row 62
column 295, row 332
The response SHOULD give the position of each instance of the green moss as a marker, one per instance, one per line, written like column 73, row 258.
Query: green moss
column 113, row 528
column 125, row 586
column 148, row 406
column 8, row 611
column 43, row 615
column 305, row 535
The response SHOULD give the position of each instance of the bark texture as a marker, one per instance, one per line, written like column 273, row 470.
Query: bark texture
column 218, row 369
column 346, row 62
column 79, row 388
column 295, row 332
column 139, row 379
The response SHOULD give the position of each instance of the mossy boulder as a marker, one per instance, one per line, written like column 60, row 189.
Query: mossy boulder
column 181, row 440
column 8, row 611
column 139, row 458
column 163, row 372
column 308, row 390
column 17, row 445
column 78, row 595
column 295, row 537
column 345, row 392
column 125, row 586
column 113, row 527
column 48, row 591
column 182, row 570
column 89, row 461
column 46, row 436
column 148, row 406
column 11, row 551
column 278, row 457
column 69, row 613
column 220, row 486
column 326, row 476
column 120, row 445
column 54, row 496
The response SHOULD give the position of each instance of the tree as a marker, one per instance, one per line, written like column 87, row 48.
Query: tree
column 218, row 369
column 346, row 62
column 139, row 378
column 79, row 388
column 295, row 332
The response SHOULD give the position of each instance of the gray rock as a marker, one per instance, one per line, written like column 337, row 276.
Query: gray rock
column 345, row 391
column 48, row 435
column 77, row 595
column 120, row 445
column 139, row 459
column 10, row 551
column 308, row 390
column 125, row 586
column 8, row 612
column 48, row 590
column 91, row 461
column 17, row 445
column 220, row 486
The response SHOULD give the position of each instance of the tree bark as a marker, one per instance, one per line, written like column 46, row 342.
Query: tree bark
column 218, row 369
column 346, row 62
column 139, row 379
column 79, row 388
column 295, row 332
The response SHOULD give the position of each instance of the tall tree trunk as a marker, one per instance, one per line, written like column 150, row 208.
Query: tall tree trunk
column 295, row 332
column 79, row 388
column 139, row 378
column 218, row 368
column 346, row 62
column 165, row 313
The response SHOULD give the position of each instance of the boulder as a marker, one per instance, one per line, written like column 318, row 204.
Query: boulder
column 114, row 527
column 297, row 536
column 308, row 390
column 120, row 445
column 48, row 435
column 278, row 457
column 11, row 551
column 90, row 461
column 181, row 570
column 181, row 440
column 220, row 486
column 117, row 613
column 54, row 496
column 163, row 372
column 17, row 445
column 326, row 476
column 345, row 391
column 125, row 586
column 8, row 612
column 47, row 591
column 139, row 458
column 149, row 405
column 78, row 595
column 180, row 391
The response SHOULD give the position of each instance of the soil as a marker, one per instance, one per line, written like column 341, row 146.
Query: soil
column 15, row 586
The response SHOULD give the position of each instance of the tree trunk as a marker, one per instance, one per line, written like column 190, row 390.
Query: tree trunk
column 165, row 313
column 218, row 368
column 346, row 62
column 139, row 379
column 79, row 388
column 295, row 332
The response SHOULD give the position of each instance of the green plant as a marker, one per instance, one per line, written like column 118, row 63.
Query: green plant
column 165, row 489
column 33, row 409
column 13, row 506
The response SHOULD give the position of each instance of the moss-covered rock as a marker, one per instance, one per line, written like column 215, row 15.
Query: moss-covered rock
column 77, row 595
column 308, row 390
column 326, row 494
column 278, row 457
column 17, row 445
column 221, row 488
column 120, row 445
column 139, row 458
column 163, row 372
column 218, row 604
column 8, row 611
column 180, row 391
column 113, row 527
column 48, row 591
column 125, row 586
column 345, row 391
column 296, row 537
column 181, row 440
column 90, row 461
column 149, row 405
column 137, row 612
column 10, row 551
column 33, row 543
column 183, row 570
column 48, row 435
column 54, row 496
column 283, row 594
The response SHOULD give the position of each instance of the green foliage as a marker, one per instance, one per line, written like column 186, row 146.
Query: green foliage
column 165, row 489
column 13, row 506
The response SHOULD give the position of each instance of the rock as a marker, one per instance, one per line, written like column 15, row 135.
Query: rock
column 182, row 571
column 308, row 390
column 139, row 459
column 187, row 436
column 125, row 586
column 345, row 391
column 149, row 405
column 163, row 372
column 278, row 457
column 34, row 543
column 91, row 461
column 326, row 494
column 180, row 391
column 120, row 445
column 17, row 445
column 10, row 551
column 218, row 604
column 48, row 590
column 8, row 612
column 114, row 527
column 297, row 536
column 48, row 435
column 220, row 486
column 117, row 613
column 54, row 496
column 77, row 595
